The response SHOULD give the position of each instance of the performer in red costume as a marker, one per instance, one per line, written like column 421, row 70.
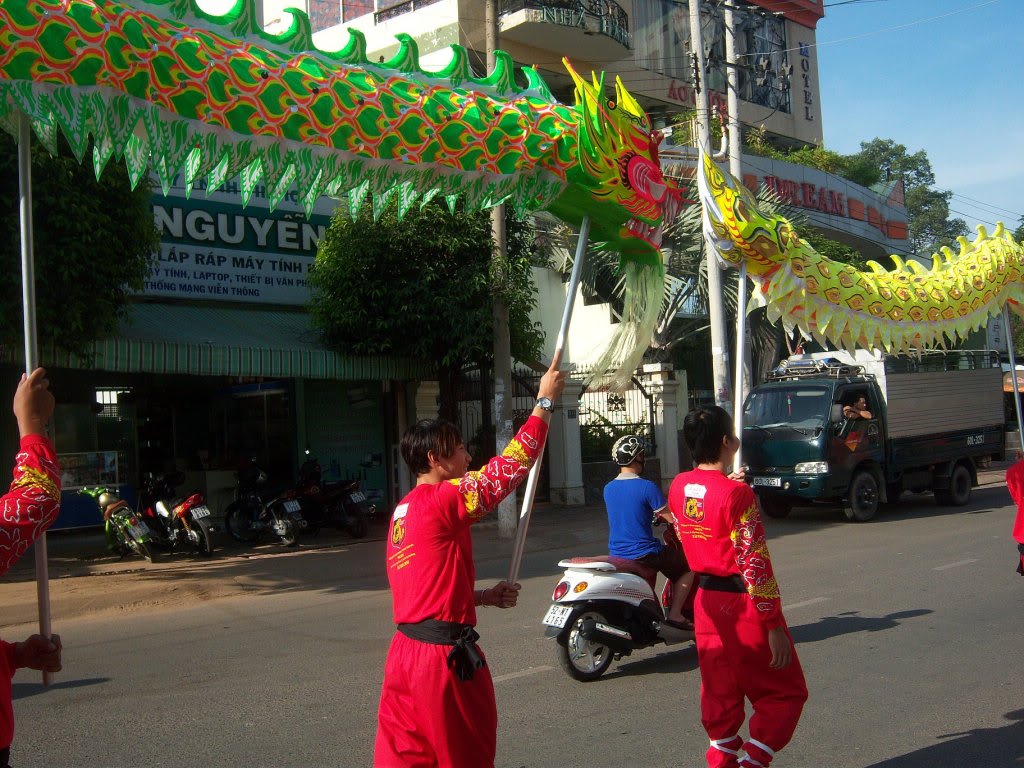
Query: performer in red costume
column 26, row 511
column 437, row 703
column 1015, row 484
column 743, row 646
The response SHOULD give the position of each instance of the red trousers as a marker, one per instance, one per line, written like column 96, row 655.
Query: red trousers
column 429, row 718
column 732, row 648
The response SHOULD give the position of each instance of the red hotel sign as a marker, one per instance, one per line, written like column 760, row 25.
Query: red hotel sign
column 806, row 195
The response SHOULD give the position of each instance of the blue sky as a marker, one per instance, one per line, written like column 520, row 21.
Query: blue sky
column 952, row 86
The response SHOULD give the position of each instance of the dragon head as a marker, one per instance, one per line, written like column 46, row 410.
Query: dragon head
column 617, row 180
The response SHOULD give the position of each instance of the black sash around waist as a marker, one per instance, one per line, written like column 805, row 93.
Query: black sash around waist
column 722, row 583
column 465, row 658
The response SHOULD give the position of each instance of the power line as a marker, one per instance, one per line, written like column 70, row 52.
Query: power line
column 979, row 203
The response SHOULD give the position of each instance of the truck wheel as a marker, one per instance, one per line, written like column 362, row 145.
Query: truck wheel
column 862, row 501
column 776, row 506
column 959, row 491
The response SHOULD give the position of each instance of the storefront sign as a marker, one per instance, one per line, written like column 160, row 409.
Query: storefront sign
column 211, row 247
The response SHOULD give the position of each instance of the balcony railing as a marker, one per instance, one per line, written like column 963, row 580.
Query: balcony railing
column 397, row 10
column 612, row 19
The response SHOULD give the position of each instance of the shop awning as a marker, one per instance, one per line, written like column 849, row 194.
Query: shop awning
column 222, row 341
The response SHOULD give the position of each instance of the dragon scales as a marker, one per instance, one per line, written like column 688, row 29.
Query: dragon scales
column 172, row 88
column 904, row 309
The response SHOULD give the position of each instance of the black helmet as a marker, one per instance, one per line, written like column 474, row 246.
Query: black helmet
column 627, row 449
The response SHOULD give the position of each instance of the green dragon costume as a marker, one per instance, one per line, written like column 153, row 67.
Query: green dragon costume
column 907, row 308
column 171, row 88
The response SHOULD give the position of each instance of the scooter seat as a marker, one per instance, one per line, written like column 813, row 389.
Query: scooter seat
column 610, row 563
column 587, row 563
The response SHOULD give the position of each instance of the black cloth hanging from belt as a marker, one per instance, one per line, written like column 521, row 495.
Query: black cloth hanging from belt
column 722, row 583
column 1020, row 563
column 465, row 657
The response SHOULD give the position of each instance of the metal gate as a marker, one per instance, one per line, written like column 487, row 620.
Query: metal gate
column 606, row 416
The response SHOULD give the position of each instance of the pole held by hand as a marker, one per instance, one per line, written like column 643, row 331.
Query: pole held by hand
column 563, row 331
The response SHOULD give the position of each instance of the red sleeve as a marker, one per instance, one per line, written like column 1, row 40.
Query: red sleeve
column 484, row 489
column 748, row 539
column 32, row 503
column 10, row 652
column 1015, row 482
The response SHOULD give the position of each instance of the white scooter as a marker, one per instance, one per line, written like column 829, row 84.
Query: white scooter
column 604, row 608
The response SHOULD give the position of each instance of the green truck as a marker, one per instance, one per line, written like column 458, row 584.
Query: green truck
column 934, row 419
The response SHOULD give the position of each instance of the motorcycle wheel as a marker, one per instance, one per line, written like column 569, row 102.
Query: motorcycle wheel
column 141, row 547
column 583, row 659
column 356, row 523
column 290, row 536
column 238, row 521
column 204, row 544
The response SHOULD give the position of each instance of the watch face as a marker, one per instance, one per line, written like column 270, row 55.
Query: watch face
column 544, row 402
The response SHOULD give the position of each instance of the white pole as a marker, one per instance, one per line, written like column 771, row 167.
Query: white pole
column 716, row 315
column 556, row 358
column 28, row 299
column 1013, row 375
column 732, row 130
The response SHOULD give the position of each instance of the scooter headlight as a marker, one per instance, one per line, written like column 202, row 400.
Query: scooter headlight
column 560, row 591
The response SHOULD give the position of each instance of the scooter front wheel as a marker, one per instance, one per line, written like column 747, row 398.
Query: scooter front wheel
column 584, row 659
column 239, row 524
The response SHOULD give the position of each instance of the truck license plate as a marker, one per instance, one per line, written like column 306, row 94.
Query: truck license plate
column 557, row 615
column 773, row 482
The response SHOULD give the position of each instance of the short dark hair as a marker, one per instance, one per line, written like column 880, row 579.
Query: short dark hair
column 704, row 430
column 435, row 436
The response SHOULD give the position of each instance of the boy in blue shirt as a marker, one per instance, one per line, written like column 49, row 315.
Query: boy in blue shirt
column 632, row 503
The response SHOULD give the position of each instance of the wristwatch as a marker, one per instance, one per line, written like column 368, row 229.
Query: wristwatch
column 546, row 404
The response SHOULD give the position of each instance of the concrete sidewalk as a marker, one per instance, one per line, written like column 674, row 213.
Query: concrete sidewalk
column 84, row 553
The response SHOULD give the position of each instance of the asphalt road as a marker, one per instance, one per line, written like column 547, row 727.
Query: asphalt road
column 907, row 627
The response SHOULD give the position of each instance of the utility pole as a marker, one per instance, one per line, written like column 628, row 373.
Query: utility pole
column 507, row 517
column 716, row 315
column 732, row 127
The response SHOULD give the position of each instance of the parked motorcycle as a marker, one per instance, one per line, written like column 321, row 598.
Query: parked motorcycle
column 604, row 608
column 339, row 505
column 126, row 531
column 175, row 520
column 255, row 514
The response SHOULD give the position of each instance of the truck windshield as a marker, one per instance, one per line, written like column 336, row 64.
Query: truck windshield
column 799, row 406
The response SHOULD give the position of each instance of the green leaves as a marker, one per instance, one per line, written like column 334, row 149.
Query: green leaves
column 422, row 287
column 93, row 245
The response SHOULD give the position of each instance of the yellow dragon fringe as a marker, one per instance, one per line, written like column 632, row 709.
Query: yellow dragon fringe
column 900, row 310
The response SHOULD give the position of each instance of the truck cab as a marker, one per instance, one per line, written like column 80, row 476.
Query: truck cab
column 800, row 446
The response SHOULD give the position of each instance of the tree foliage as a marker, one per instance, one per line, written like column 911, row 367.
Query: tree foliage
column 423, row 287
column 857, row 169
column 927, row 208
column 94, row 241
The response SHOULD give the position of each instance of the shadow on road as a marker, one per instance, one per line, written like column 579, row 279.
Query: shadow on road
column 910, row 507
column 989, row 747
column 668, row 662
column 848, row 623
column 26, row 690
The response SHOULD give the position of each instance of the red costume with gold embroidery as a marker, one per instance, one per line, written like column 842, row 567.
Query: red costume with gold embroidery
column 1015, row 484
column 428, row 716
column 26, row 511
column 738, row 603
